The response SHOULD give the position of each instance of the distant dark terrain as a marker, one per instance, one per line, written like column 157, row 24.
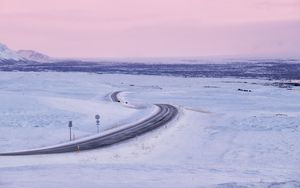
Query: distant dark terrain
column 279, row 69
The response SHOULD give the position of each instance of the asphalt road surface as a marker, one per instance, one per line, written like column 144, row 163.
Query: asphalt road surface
column 164, row 115
column 114, row 96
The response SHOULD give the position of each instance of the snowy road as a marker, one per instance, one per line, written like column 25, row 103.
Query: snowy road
column 114, row 96
column 164, row 115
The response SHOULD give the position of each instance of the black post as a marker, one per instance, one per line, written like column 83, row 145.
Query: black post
column 70, row 126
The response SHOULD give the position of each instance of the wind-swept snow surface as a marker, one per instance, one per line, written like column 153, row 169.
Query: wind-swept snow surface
column 223, row 137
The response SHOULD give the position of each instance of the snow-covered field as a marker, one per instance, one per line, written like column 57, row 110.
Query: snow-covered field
column 223, row 137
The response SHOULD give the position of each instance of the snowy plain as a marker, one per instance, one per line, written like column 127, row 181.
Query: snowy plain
column 222, row 137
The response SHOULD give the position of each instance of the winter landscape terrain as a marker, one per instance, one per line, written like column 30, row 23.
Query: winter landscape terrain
column 237, row 126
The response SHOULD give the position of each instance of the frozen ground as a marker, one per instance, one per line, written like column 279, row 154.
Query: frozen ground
column 223, row 137
column 35, row 108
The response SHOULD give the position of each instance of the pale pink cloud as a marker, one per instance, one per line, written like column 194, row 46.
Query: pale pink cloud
column 97, row 28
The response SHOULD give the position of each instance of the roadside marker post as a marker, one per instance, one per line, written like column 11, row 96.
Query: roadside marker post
column 70, row 126
column 97, row 117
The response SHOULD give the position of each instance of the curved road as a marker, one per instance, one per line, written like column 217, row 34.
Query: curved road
column 114, row 96
column 164, row 115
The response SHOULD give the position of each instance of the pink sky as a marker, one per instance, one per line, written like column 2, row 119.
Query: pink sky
column 152, row 28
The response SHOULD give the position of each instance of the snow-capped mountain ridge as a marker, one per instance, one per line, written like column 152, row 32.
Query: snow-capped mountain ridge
column 8, row 54
column 33, row 55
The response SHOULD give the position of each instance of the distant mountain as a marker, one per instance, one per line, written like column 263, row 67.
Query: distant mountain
column 7, row 54
column 10, row 56
column 34, row 56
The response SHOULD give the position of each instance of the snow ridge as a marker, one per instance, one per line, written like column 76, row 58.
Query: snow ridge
column 8, row 54
column 34, row 56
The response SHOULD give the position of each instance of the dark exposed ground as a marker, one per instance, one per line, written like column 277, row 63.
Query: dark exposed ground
column 268, row 69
